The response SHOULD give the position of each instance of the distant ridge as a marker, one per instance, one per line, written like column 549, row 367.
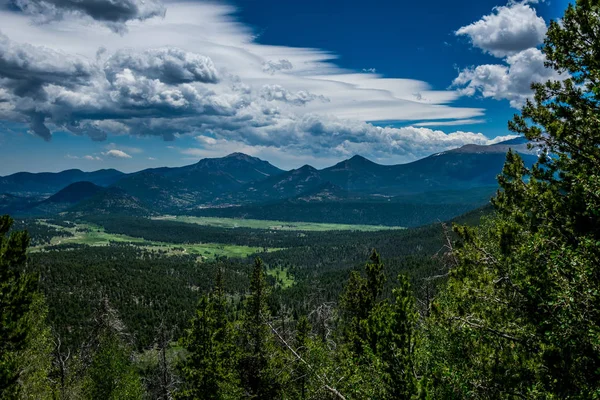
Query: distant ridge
column 440, row 185
column 47, row 183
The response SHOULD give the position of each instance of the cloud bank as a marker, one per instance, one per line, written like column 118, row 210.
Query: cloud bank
column 198, row 72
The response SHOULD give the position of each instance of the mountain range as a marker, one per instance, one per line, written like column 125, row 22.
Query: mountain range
column 355, row 190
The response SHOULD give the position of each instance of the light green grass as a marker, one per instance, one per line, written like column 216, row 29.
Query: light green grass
column 93, row 235
column 275, row 225
column 283, row 277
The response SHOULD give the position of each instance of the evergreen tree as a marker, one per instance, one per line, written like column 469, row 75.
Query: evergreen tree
column 358, row 301
column 519, row 318
column 380, row 334
column 111, row 373
column 397, row 350
column 35, row 360
column 258, row 364
column 300, row 374
column 17, row 290
column 208, row 370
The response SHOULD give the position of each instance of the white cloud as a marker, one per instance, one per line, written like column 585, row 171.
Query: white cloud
column 116, row 154
column 168, row 65
column 128, row 149
column 508, row 30
column 87, row 157
column 272, row 67
column 506, row 82
column 319, row 140
column 113, row 14
column 199, row 72
column 278, row 93
column 451, row 123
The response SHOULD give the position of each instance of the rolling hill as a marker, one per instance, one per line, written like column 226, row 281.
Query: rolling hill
column 113, row 201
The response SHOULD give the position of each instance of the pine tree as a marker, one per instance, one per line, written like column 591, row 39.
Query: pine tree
column 257, row 366
column 397, row 347
column 35, row 360
column 17, row 290
column 380, row 334
column 208, row 370
column 300, row 374
column 519, row 318
column 358, row 301
column 551, row 231
column 111, row 374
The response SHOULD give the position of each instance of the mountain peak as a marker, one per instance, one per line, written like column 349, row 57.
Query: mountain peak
column 75, row 192
column 358, row 157
column 240, row 156
column 306, row 168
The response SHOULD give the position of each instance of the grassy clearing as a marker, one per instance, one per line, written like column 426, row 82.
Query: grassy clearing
column 275, row 225
column 282, row 276
column 93, row 235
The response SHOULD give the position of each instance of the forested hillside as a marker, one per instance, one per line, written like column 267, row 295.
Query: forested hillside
column 501, row 303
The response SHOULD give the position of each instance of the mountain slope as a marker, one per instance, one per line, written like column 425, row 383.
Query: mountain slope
column 113, row 201
column 74, row 193
column 278, row 187
column 62, row 200
column 47, row 183
column 10, row 203
column 177, row 189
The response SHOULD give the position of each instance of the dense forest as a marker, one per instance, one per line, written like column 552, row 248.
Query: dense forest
column 507, row 308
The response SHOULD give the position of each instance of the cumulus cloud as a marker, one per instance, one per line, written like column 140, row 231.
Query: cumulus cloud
column 272, row 67
column 26, row 68
column 506, row 82
column 507, row 31
column 114, row 14
column 116, row 154
column 168, row 65
column 278, row 93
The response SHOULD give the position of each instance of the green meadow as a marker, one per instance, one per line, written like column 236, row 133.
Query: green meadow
column 275, row 225
column 93, row 235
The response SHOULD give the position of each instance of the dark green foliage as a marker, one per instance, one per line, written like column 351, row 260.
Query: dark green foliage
column 145, row 287
column 257, row 365
column 209, row 368
column 395, row 325
column 397, row 213
column 40, row 233
column 17, row 291
column 301, row 373
column 519, row 318
column 111, row 373
column 379, row 333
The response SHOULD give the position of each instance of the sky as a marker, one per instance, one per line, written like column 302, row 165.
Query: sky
column 132, row 84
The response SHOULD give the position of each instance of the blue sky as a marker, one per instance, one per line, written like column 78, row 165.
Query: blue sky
column 166, row 83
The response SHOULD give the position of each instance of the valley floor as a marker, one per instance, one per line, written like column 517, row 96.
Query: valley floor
column 275, row 225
